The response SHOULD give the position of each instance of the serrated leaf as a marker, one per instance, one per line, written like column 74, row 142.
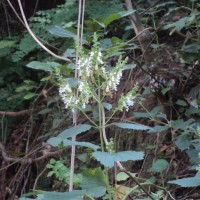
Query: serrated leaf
column 56, row 141
column 93, row 182
column 73, row 131
column 40, row 66
column 159, row 165
column 187, row 182
column 76, row 194
column 158, row 128
column 61, row 32
column 131, row 126
column 116, row 16
column 182, row 142
column 108, row 106
column 108, row 159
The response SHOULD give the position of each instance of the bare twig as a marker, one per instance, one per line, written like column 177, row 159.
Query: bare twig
column 15, row 114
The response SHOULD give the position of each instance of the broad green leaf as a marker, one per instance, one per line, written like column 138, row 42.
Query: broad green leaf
column 116, row 16
column 76, row 194
column 61, row 32
column 182, row 141
column 193, row 155
column 187, row 182
column 122, row 176
column 181, row 103
column 93, row 25
column 73, row 131
column 94, row 183
column 158, row 128
column 131, row 126
column 108, row 106
column 108, row 159
column 40, row 66
column 30, row 95
column 159, row 165
column 56, row 141
column 116, row 40
column 181, row 124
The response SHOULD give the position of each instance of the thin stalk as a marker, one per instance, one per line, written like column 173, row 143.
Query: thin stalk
column 95, row 125
column 108, row 185
column 100, row 117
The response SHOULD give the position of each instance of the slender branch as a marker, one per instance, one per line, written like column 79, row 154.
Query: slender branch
column 15, row 114
column 46, row 153
column 36, row 39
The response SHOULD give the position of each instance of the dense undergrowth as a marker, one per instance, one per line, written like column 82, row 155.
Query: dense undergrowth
column 150, row 116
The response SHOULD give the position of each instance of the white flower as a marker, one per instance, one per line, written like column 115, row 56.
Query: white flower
column 99, row 56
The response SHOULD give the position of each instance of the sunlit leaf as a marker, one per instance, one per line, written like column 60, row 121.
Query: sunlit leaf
column 116, row 16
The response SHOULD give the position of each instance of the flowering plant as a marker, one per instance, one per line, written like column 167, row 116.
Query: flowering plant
column 95, row 82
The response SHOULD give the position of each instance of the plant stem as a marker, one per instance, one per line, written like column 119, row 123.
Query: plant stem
column 100, row 116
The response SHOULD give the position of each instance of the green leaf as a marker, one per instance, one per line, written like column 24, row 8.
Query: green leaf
column 30, row 95
column 72, row 81
column 40, row 66
column 108, row 159
column 116, row 16
column 61, row 32
column 108, row 106
column 131, row 126
column 45, row 111
column 181, row 103
column 159, row 165
column 187, row 182
column 182, row 141
column 73, row 131
column 141, row 115
column 122, row 176
column 94, row 183
column 51, row 173
column 76, row 194
column 158, row 128
column 56, row 141
column 6, row 43
column 129, row 66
